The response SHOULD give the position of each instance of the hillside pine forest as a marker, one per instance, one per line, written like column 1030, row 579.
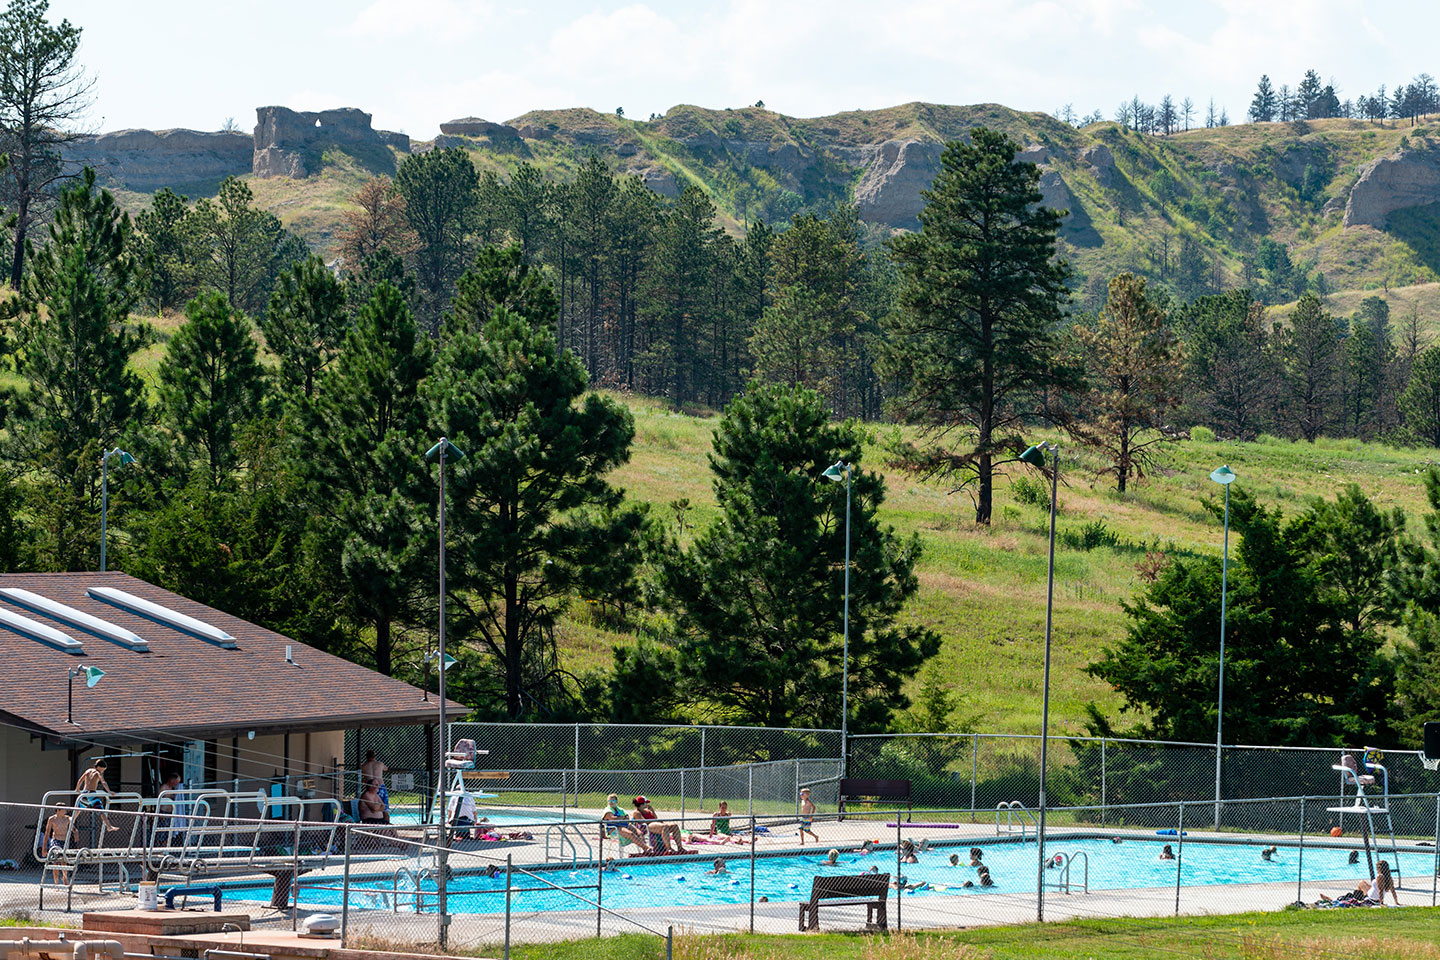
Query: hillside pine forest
column 647, row 341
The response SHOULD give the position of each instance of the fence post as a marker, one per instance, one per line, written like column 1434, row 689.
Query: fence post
column 797, row 787
column 1436, row 872
column 702, row 769
column 509, row 865
column 752, row 870
column 974, row 767
column 345, row 893
column 577, row 764
column 899, row 877
column 1179, row 854
column 750, row 790
column 669, row 943
column 295, row 876
column 1102, row 781
column 599, row 891
column 682, row 798
column 1300, row 863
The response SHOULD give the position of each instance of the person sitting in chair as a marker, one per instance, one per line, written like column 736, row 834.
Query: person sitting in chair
column 669, row 833
column 372, row 808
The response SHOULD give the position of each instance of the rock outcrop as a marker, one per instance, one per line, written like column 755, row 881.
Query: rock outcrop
column 1398, row 181
column 1057, row 195
column 476, row 127
column 1034, row 153
column 147, row 160
column 1102, row 164
column 889, row 189
column 400, row 141
column 284, row 138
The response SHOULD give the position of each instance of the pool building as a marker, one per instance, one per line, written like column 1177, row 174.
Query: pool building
column 104, row 664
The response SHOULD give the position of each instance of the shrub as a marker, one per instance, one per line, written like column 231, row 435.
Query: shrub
column 1090, row 536
column 1028, row 490
column 1202, row 434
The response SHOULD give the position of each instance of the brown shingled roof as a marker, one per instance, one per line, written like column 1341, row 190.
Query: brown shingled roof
column 184, row 684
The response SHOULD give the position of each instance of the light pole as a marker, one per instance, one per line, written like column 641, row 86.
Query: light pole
column 92, row 676
column 105, row 492
column 1224, row 476
column 834, row 473
column 438, row 453
column 1035, row 456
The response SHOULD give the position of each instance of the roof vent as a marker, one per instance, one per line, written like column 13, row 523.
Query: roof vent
column 78, row 618
column 39, row 631
column 154, row 611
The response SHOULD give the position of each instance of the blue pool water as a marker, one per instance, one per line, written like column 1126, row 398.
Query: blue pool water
column 1128, row 865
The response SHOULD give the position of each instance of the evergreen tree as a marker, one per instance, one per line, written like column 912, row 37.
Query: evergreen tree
column 74, row 342
column 632, row 225
column 160, row 242
column 677, row 307
column 1133, row 364
column 1420, row 402
column 211, row 382
column 304, row 324
column 1415, row 582
column 367, row 487
column 1262, row 107
column 593, row 196
column 525, row 211
column 531, row 512
column 1310, row 351
column 758, row 595
column 440, row 190
column 1231, row 375
column 981, row 295
column 239, row 250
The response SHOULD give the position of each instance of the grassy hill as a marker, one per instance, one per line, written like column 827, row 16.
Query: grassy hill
column 983, row 590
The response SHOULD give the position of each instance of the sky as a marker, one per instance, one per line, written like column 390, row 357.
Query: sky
column 414, row 64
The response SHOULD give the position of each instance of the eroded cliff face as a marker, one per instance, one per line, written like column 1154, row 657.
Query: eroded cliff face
column 285, row 140
column 147, row 160
column 1405, row 178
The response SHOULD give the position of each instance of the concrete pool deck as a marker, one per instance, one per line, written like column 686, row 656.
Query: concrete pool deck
column 18, row 890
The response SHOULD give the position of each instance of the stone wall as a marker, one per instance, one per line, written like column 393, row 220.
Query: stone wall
column 284, row 137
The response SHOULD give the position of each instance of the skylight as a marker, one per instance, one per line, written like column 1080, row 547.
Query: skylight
column 39, row 631
column 78, row 618
column 165, row 615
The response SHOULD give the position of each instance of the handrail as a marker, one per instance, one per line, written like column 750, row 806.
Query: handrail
column 1065, row 860
column 1011, row 807
column 564, row 839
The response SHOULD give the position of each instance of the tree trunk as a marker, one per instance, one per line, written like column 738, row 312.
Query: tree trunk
column 383, row 646
column 985, row 466
column 22, row 214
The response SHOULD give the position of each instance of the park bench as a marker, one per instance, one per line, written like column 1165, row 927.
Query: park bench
column 870, row 890
column 852, row 791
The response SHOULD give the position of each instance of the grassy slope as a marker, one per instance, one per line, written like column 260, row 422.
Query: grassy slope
column 983, row 590
column 1409, row 934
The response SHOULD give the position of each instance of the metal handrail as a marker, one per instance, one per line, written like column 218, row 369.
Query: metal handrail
column 564, row 840
column 1011, row 807
column 1066, row 859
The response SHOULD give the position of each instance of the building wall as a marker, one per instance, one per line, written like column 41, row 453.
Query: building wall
column 26, row 771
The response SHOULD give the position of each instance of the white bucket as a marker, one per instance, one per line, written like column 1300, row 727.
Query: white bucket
column 147, row 896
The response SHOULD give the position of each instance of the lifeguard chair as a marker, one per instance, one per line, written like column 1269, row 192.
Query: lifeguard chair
column 1358, row 774
column 463, row 790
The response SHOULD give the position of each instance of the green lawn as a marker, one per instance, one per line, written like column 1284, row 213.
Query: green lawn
column 983, row 589
column 1410, row 934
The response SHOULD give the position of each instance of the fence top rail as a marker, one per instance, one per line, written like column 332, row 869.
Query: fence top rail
column 642, row 726
column 594, row 903
column 1150, row 743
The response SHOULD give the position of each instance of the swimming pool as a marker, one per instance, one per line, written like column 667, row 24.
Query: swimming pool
column 1132, row 864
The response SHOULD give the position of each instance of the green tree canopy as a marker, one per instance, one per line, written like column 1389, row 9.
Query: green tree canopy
column 1420, row 402
column 304, row 324
column 441, row 193
column 759, row 596
column 1304, row 661
column 973, row 339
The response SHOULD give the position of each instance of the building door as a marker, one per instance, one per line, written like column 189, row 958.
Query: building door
column 194, row 770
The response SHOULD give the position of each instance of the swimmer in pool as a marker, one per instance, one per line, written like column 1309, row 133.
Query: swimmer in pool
column 1167, row 853
column 1354, row 856
column 907, row 852
column 985, row 879
column 867, row 848
column 832, row 858
column 975, row 854
column 874, row 869
column 1267, row 854
column 954, row 859
column 924, row 845
column 719, row 868
column 609, row 867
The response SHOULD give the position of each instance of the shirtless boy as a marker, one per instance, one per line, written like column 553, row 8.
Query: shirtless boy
column 57, row 828
column 93, row 781
column 807, row 816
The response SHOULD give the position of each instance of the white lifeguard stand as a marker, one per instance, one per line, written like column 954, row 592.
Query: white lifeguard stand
column 459, row 762
column 1360, row 774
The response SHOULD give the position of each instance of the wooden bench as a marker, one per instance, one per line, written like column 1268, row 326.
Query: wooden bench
column 852, row 790
column 870, row 890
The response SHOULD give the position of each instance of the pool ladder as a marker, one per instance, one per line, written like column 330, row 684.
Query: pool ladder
column 561, row 834
column 1015, row 813
column 415, row 878
column 1066, row 859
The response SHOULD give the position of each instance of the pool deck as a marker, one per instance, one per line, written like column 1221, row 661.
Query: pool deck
column 18, row 891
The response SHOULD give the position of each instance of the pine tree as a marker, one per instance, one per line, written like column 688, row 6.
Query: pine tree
column 677, row 307
column 211, row 382
column 1310, row 350
column 1420, row 402
column 1262, row 107
column 161, row 246
column 304, row 324
column 531, row 514
column 74, row 342
column 441, row 193
column 632, row 225
column 981, row 295
column 367, row 486
column 594, row 193
column 1133, row 365
column 758, row 596
column 238, row 248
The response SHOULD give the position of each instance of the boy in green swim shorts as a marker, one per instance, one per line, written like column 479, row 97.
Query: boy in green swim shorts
column 807, row 816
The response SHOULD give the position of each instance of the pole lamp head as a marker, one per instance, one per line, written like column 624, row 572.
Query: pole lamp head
column 92, row 675
column 1035, row 455
column 451, row 451
column 837, row 471
column 1223, row 475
